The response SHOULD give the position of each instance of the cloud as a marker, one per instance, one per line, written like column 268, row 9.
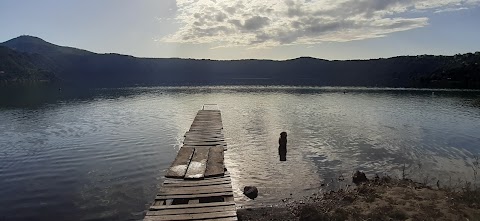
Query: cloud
column 266, row 23
column 450, row 10
column 256, row 22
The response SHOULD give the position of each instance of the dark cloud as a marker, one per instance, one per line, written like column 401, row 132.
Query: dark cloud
column 220, row 17
column 236, row 22
column 294, row 8
column 250, row 24
column 230, row 10
column 255, row 23
column 207, row 32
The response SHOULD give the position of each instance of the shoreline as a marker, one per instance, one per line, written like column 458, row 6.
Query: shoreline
column 383, row 198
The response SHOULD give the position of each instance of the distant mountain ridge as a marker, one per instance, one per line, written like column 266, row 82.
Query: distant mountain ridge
column 32, row 44
column 84, row 68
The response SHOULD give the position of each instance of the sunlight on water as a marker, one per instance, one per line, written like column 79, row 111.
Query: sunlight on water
column 101, row 154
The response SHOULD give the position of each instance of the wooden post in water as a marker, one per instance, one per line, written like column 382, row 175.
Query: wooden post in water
column 197, row 185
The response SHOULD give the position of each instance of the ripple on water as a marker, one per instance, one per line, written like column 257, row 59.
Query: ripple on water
column 102, row 156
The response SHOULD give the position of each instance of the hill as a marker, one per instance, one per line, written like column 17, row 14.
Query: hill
column 17, row 67
column 86, row 68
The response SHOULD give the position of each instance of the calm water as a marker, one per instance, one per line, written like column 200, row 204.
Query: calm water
column 101, row 154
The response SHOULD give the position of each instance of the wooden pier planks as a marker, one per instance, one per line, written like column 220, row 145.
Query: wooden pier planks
column 207, row 199
column 182, row 161
column 202, row 199
column 215, row 165
column 197, row 186
column 198, row 164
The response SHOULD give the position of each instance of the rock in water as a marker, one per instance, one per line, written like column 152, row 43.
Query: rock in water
column 359, row 177
column 251, row 192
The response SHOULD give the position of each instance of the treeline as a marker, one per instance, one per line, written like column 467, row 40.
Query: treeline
column 80, row 67
column 21, row 68
column 459, row 71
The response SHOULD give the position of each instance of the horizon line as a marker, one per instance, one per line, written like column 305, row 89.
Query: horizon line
column 242, row 59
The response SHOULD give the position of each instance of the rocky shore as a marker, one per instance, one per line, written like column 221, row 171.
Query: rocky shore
column 377, row 199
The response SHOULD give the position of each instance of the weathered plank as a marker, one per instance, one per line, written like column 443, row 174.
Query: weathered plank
column 180, row 165
column 206, row 128
column 210, row 135
column 207, row 123
column 185, row 184
column 215, row 164
column 213, row 119
column 194, row 216
column 155, row 218
column 191, row 210
column 202, row 129
column 190, row 196
column 213, row 143
column 198, row 164
column 203, row 182
column 203, row 133
column 185, row 206
column 206, row 179
column 194, row 140
column 218, row 116
column 227, row 175
column 204, row 138
column 190, row 137
column 201, row 115
column 152, row 218
column 195, row 190
column 208, row 112
column 205, row 143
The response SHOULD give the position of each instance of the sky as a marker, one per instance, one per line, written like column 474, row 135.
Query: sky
column 250, row 29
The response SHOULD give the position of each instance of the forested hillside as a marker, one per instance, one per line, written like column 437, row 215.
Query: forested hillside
column 83, row 68
column 17, row 67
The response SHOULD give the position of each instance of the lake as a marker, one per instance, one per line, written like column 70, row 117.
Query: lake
column 100, row 154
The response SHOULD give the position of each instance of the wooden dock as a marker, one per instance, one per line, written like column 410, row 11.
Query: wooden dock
column 197, row 185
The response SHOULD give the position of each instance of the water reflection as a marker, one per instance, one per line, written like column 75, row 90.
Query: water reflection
column 100, row 154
